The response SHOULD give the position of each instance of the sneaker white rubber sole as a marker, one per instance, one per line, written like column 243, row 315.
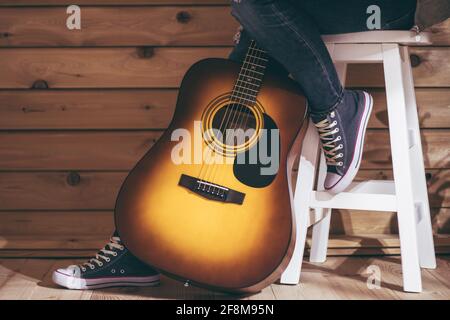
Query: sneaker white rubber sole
column 72, row 282
column 347, row 179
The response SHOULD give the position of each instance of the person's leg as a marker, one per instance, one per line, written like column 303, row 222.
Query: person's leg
column 351, row 15
column 291, row 33
column 114, row 265
column 242, row 41
column 291, row 37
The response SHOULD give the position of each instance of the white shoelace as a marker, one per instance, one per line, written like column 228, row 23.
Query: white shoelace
column 114, row 243
column 329, row 146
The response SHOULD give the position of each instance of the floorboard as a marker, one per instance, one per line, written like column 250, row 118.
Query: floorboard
column 337, row 278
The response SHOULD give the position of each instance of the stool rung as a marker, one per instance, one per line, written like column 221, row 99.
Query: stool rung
column 369, row 195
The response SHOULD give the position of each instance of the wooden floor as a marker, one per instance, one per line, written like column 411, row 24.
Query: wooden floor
column 338, row 278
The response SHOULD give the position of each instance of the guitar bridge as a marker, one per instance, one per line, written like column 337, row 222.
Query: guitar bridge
column 210, row 190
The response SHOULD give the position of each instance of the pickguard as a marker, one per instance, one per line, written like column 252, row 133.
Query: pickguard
column 250, row 173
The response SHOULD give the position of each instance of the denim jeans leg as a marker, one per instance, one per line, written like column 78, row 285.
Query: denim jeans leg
column 242, row 43
column 291, row 37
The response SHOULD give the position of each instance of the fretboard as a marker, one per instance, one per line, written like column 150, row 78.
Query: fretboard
column 250, row 76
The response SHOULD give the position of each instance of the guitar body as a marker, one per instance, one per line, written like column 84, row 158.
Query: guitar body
column 241, row 244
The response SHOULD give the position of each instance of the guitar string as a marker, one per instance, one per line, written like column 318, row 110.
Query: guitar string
column 232, row 105
column 263, row 57
column 258, row 57
column 244, row 110
column 246, row 69
column 233, row 112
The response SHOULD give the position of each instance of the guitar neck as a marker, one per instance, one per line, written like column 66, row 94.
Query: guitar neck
column 251, row 75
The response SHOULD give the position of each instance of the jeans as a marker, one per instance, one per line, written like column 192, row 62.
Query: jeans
column 290, row 31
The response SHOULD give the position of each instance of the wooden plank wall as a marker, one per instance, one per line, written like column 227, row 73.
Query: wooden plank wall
column 79, row 108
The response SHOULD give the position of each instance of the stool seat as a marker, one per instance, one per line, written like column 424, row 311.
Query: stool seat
column 405, row 37
column 406, row 194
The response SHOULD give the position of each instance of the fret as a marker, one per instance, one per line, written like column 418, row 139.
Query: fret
column 248, row 76
column 253, row 92
column 247, row 88
column 247, row 94
column 254, row 64
column 255, row 57
column 259, row 50
column 242, row 98
column 251, row 83
column 245, row 80
column 251, row 70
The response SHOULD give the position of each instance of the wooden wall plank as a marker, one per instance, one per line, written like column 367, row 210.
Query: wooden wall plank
column 433, row 70
column 441, row 33
column 110, row 2
column 99, row 67
column 440, row 248
column 67, row 224
column 97, row 190
column 51, row 190
column 49, row 253
column 437, row 181
column 63, row 244
column 74, row 151
column 129, row 68
column 88, row 109
column 353, row 222
column 433, row 107
column 121, row 150
column 133, row 26
column 86, row 224
column 144, row 109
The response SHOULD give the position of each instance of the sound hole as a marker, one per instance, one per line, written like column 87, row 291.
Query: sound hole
column 234, row 124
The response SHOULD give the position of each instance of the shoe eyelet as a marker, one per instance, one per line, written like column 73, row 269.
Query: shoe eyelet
column 340, row 164
column 341, row 155
column 113, row 270
column 122, row 271
column 332, row 114
column 100, row 264
column 83, row 269
column 92, row 267
column 341, row 146
column 339, row 138
column 108, row 259
column 122, row 248
column 337, row 129
column 334, row 123
column 115, row 254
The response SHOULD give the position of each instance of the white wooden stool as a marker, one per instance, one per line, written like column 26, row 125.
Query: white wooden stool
column 406, row 194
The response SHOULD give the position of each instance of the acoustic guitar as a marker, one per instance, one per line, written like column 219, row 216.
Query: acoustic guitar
column 211, row 202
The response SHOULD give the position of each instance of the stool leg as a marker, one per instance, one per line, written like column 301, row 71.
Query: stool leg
column 321, row 229
column 399, row 136
column 427, row 257
column 304, row 187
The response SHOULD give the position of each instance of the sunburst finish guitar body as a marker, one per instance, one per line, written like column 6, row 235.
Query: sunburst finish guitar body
column 227, row 226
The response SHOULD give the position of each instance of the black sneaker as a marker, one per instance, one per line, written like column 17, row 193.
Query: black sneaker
column 112, row 266
column 342, row 134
